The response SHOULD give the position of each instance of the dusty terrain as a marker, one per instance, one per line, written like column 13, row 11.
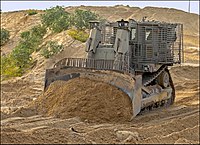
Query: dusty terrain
column 178, row 123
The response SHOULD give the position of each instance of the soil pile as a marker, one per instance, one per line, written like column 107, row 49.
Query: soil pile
column 90, row 100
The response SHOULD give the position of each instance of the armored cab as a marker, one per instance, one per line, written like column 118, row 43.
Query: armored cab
column 144, row 45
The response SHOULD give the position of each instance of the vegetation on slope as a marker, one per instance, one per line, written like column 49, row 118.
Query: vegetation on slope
column 4, row 36
column 80, row 18
column 57, row 20
column 79, row 35
column 19, row 60
column 51, row 48
column 31, row 12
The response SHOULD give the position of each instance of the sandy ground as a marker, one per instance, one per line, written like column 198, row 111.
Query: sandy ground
column 178, row 123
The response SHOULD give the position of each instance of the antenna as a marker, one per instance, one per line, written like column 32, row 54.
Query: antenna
column 189, row 7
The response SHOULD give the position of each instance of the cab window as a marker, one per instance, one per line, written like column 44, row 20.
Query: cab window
column 133, row 33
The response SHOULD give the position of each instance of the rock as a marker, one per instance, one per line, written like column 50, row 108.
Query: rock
column 127, row 136
column 183, row 141
column 34, row 99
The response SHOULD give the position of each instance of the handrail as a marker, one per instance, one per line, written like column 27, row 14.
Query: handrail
column 98, row 64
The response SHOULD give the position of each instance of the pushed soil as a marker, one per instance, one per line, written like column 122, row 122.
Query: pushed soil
column 90, row 100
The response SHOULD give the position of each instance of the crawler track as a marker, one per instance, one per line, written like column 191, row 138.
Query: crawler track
column 164, row 103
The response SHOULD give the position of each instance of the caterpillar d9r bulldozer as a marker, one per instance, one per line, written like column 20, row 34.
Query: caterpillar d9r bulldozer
column 133, row 56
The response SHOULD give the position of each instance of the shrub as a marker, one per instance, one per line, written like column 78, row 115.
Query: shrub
column 56, row 18
column 4, row 36
column 31, row 12
column 25, row 35
column 51, row 49
column 45, row 52
column 38, row 31
column 79, row 35
column 8, row 67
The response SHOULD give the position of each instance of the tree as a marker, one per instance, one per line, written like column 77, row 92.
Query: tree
column 33, row 37
column 22, row 55
column 81, row 18
column 4, row 36
column 56, row 18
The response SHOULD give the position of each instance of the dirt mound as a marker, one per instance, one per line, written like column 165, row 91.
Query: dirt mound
column 90, row 100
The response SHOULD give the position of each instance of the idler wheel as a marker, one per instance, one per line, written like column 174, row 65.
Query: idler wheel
column 163, row 79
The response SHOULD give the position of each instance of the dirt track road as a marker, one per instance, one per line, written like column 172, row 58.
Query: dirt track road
column 177, row 124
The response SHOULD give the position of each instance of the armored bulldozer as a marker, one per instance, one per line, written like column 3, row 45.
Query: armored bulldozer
column 133, row 56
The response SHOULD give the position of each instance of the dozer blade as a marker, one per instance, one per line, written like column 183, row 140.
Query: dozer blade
column 128, row 84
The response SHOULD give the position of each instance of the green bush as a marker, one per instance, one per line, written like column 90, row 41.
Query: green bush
column 8, row 67
column 79, row 35
column 25, row 35
column 31, row 12
column 56, row 18
column 4, row 36
column 51, row 49
column 81, row 18
column 38, row 31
